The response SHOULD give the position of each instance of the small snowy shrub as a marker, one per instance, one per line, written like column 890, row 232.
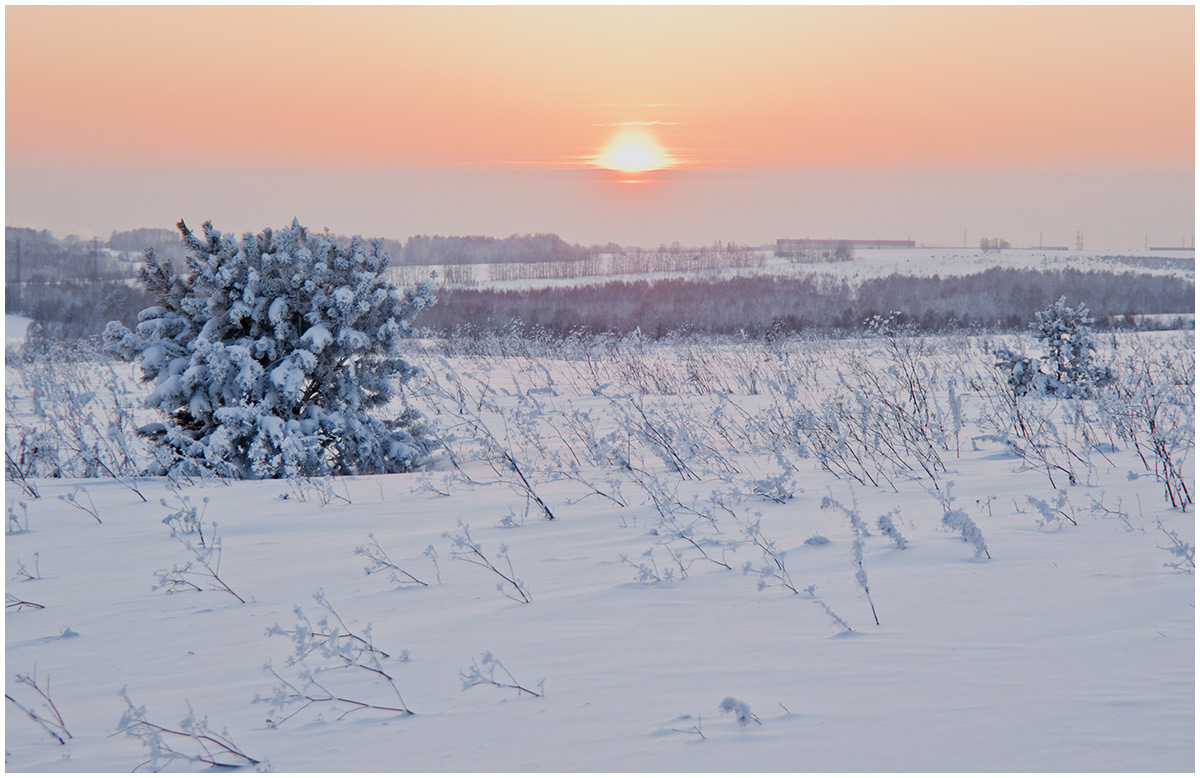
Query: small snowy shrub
column 739, row 709
column 271, row 355
column 1022, row 373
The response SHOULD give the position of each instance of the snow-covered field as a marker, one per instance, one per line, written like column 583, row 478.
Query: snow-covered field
column 716, row 543
column 14, row 329
column 867, row 264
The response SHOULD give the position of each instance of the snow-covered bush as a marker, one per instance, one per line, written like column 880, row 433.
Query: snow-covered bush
column 1023, row 373
column 271, row 354
column 1067, row 334
column 739, row 709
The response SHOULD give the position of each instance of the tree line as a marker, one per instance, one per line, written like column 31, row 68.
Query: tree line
column 998, row 298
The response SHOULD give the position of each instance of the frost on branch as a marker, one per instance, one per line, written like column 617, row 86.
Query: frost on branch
column 271, row 355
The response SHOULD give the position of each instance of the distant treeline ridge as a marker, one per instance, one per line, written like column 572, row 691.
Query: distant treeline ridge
column 995, row 298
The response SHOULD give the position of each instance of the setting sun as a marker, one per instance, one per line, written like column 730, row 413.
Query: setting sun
column 634, row 151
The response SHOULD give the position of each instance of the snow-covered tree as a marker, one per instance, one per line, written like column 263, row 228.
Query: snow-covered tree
column 1067, row 333
column 271, row 355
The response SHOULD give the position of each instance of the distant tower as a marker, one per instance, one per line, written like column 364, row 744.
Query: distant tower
column 1079, row 240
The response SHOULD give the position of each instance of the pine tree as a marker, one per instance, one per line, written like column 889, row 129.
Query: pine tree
column 1067, row 333
column 271, row 354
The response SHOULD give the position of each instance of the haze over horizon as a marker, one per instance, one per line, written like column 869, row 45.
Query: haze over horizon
column 638, row 125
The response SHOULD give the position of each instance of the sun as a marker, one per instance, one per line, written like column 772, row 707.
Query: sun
column 634, row 150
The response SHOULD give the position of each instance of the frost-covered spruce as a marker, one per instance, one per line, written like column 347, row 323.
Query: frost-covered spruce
column 271, row 354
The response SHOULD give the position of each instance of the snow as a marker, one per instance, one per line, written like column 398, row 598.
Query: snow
column 868, row 263
column 14, row 329
column 1071, row 649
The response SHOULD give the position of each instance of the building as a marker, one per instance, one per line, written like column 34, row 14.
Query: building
column 833, row 248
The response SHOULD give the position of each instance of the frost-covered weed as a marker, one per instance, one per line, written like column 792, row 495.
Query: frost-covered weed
column 23, row 573
column 191, row 741
column 468, row 407
column 1186, row 552
column 16, row 604
column 464, row 548
column 203, row 570
column 430, row 553
column 42, row 711
column 648, row 572
column 959, row 521
column 773, row 572
column 324, row 647
column 186, row 518
column 482, row 672
column 379, row 561
column 1053, row 514
column 73, row 499
column 15, row 523
column 887, row 525
column 779, row 488
column 76, row 418
column 860, row 535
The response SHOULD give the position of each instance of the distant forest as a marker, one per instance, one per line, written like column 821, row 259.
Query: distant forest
column 74, row 287
column 994, row 299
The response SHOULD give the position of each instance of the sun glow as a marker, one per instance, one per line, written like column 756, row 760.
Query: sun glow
column 634, row 151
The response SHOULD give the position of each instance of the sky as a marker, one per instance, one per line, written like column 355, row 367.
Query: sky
column 730, row 123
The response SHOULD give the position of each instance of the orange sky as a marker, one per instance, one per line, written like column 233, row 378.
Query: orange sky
column 722, row 87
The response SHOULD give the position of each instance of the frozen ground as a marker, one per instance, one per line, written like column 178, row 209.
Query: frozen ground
column 1068, row 646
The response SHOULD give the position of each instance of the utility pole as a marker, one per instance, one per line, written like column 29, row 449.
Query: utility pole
column 1079, row 240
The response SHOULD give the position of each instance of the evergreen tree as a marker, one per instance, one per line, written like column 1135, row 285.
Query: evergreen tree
column 271, row 355
column 1067, row 333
